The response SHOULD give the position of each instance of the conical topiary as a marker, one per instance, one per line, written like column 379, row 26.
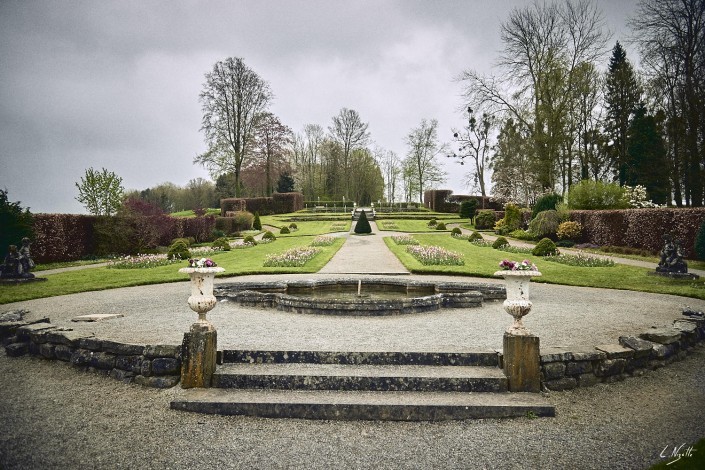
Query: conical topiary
column 256, row 224
column 363, row 225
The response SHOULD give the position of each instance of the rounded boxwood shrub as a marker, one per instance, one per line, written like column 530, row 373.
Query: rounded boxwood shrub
column 441, row 226
column 293, row 226
column 249, row 240
column 569, row 231
column 484, row 219
column 178, row 250
column 185, row 241
column 545, row 247
column 456, row 232
column 284, row 231
column 500, row 242
column 268, row 236
column 221, row 244
column 475, row 235
column 545, row 224
column 432, row 223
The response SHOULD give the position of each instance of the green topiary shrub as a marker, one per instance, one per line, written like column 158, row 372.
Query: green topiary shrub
column 363, row 225
column 596, row 195
column 456, row 232
column 700, row 242
column 500, row 242
column 185, row 241
column 249, row 240
column 293, row 226
column 468, row 209
column 545, row 224
column 512, row 217
column 178, row 250
column 522, row 235
column 221, row 244
column 474, row 236
column 284, row 231
column 242, row 220
column 432, row 223
column 569, row 231
column 256, row 223
column 547, row 202
column 268, row 236
column 545, row 247
column 441, row 226
column 485, row 219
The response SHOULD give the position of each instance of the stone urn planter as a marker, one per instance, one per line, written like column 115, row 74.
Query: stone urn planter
column 202, row 299
column 518, row 304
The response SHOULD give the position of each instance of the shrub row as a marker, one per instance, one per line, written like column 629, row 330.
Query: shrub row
column 641, row 228
column 67, row 237
column 279, row 203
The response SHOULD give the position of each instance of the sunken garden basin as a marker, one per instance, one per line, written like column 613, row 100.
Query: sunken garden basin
column 370, row 296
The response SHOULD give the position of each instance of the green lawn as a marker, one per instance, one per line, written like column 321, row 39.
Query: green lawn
column 411, row 226
column 306, row 228
column 236, row 262
column 210, row 211
column 484, row 261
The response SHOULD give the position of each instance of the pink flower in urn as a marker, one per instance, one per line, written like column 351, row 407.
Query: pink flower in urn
column 507, row 265
column 201, row 263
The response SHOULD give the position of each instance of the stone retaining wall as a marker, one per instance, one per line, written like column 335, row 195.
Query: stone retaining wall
column 156, row 366
column 565, row 369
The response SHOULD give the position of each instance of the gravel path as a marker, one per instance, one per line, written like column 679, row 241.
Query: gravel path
column 53, row 416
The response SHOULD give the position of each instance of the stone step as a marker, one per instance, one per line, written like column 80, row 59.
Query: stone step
column 468, row 358
column 302, row 376
column 345, row 405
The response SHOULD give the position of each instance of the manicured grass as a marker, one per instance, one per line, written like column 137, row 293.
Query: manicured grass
column 306, row 228
column 210, row 211
column 484, row 261
column 412, row 226
column 236, row 262
column 66, row 264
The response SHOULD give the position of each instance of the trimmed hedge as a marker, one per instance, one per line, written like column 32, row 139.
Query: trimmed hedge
column 68, row 237
column 641, row 228
column 279, row 203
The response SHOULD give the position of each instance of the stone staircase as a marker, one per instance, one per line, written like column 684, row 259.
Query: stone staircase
column 369, row 213
column 398, row 386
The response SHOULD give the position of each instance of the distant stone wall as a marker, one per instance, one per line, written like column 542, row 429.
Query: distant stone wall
column 565, row 369
column 156, row 366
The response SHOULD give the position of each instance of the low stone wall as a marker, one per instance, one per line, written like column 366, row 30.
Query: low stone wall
column 156, row 366
column 565, row 369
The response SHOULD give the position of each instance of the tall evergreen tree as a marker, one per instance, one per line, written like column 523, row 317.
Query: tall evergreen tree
column 622, row 96
column 647, row 157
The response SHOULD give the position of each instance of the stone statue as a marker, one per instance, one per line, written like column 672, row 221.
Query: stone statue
column 672, row 257
column 18, row 263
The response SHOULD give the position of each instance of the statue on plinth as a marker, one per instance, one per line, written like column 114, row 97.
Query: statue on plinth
column 18, row 262
column 671, row 263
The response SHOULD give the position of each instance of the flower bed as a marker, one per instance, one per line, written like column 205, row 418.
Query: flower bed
column 323, row 240
column 434, row 255
column 141, row 262
column 295, row 257
column 581, row 260
column 405, row 240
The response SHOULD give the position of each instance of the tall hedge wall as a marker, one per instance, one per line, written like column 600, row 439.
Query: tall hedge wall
column 279, row 203
column 67, row 237
column 641, row 228
column 443, row 200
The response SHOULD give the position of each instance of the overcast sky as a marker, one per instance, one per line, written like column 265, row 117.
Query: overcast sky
column 115, row 84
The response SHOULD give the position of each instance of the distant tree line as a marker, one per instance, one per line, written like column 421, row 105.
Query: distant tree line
column 554, row 119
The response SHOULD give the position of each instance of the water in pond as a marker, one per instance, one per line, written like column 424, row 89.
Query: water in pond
column 349, row 292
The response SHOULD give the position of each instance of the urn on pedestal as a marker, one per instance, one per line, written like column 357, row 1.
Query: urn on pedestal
column 517, row 277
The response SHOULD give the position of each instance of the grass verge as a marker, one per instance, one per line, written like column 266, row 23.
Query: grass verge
column 235, row 262
column 484, row 261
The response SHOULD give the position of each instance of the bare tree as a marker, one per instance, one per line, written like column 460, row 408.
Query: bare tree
column 232, row 100
column 474, row 142
column 351, row 133
column 390, row 164
column 421, row 160
column 272, row 138
column 544, row 44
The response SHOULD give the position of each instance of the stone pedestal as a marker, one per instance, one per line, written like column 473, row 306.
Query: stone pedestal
column 199, row 356
column 522, row 363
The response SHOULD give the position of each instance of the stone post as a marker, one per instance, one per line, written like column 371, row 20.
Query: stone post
column 200, row 345
column 199, row 356
column 522, row 362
